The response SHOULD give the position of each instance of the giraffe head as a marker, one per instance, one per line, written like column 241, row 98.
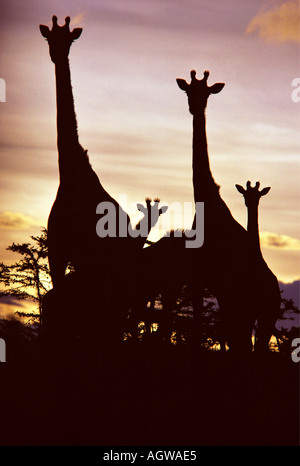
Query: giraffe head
column 198, row 91
column 59, row 38
column 152, row 212
column 251, row 194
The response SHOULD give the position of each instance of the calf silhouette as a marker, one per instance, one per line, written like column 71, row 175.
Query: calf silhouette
column 266, row 309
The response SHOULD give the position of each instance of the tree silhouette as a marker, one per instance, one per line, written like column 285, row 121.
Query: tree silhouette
column 209, row 322
column 29, row 277
column 285, row 334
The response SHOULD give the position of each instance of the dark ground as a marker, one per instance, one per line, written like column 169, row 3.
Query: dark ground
column 151, row 397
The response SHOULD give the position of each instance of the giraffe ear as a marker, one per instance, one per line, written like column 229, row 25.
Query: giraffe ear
column 182, row 84
column 140, row 207
column 76, row 33
column 216, row 88
column 44, row 31
column 265, row 191
column 163, row 209
column 240, row 188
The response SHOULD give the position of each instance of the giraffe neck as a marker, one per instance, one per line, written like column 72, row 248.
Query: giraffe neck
column 67, row 137
column 253, row 231
column 218, row 218
column 202, row 177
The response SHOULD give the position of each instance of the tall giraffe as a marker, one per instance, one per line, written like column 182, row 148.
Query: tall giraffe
column 72, row 220
column 267, row 309
column 103, row 265
column 196, row 267
column 220, row 263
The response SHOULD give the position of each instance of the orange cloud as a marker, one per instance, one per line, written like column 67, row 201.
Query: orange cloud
column 281, row 24
column 274, row 241
column 77, row 20
column 16, row 221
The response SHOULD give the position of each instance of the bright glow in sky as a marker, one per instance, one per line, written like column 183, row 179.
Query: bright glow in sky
column 134, row 120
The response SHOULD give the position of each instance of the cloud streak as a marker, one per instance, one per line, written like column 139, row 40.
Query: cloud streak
column 16, row 221
column 274, row 241
column 11, row 301
column 281, row 24
column 78, row 20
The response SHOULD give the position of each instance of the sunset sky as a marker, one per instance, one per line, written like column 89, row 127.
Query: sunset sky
column 134, row 120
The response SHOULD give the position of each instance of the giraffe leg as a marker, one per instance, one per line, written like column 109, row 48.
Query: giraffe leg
column 197, row 292
column 222, row 334
column 264, row 332
column 168, row 300
column 238, row 325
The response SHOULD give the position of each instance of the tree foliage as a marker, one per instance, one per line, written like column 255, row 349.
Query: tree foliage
column 288, row 329
column 29, row 277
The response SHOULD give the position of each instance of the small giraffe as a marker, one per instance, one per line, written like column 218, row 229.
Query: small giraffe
column 151, row 215
column 267, row 308
column 141, row 295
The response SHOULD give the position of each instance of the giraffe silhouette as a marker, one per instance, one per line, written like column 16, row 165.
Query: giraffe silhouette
column 164, row 270
column 221, row 263
column 267, row 309
column 104, row 264
column 151, row 213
